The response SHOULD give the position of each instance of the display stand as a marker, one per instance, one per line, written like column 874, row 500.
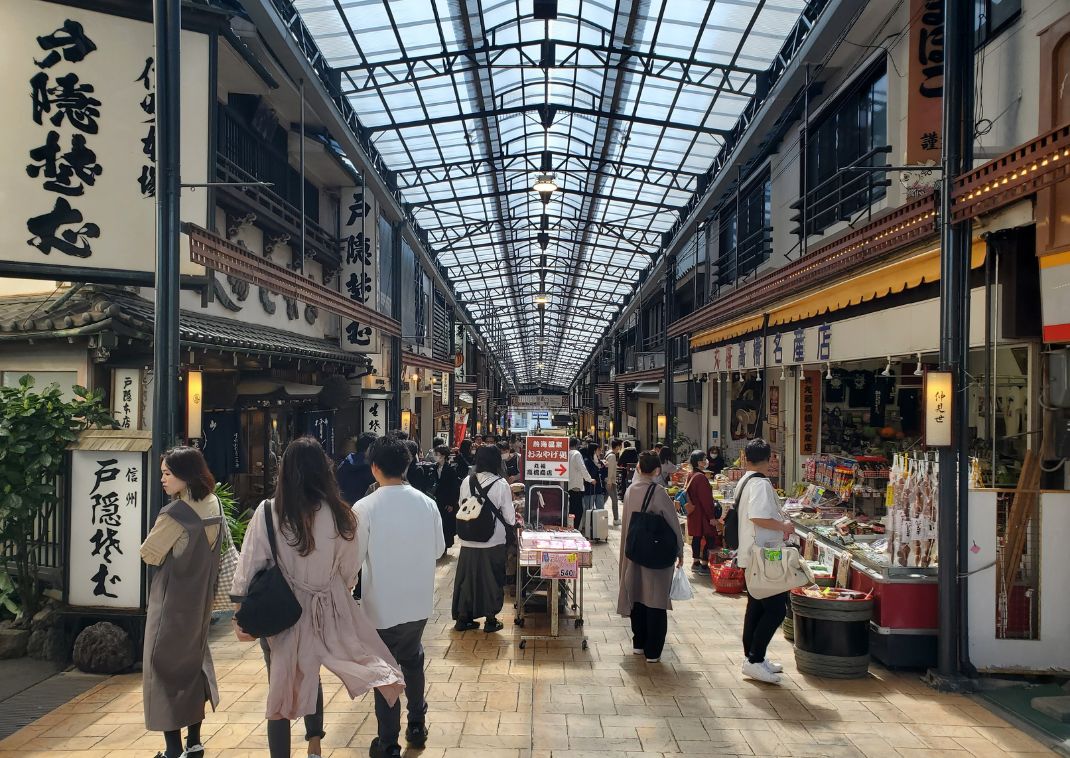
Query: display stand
column 903, row 629
column 554, row 562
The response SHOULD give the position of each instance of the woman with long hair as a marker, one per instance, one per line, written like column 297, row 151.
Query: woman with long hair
column 315, row 539
column 184, row 543
column 479, row 589
column 703, row 513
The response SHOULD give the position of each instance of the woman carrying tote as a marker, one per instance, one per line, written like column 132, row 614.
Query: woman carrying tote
column 184, row 543
column 317, row 554
column 644, row 592
column 479, row 589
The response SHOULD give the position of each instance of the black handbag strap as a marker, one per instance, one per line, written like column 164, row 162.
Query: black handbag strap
column 739, row 493
column 649, row 495
column 268, row 505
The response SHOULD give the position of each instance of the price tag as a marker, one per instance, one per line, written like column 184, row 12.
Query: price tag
column 560, row 565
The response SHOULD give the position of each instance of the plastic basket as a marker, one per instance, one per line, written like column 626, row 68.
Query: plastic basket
column 728, row 580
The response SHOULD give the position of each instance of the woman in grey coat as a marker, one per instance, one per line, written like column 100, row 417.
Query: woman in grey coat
column 644, row 592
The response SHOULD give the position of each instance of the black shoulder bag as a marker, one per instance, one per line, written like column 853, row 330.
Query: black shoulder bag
column 652, row 541
column 270, row 606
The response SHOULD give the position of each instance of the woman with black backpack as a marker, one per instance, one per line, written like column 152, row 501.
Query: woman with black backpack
column 652, row 546
column 485, row 526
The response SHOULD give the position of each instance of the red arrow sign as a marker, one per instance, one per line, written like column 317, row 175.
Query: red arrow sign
column 561, row 469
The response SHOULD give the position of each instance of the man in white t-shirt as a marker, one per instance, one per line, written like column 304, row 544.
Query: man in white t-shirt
column 762, row 523
column 399, row 540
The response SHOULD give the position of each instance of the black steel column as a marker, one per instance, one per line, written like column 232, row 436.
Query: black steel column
column 667, row 314
column 452, row 379
column 165, row 395
column 396, row 379
column 954, row 271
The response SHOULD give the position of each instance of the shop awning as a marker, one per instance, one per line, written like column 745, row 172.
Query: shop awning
column 279, row 389
column 890, row 279
column 647, row 389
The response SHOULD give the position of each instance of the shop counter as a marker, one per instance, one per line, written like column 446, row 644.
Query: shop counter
column 903, row 631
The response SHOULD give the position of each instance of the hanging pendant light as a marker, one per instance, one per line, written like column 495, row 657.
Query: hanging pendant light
column 545, row 186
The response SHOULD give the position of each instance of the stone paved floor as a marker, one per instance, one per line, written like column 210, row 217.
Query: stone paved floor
column 587, row 704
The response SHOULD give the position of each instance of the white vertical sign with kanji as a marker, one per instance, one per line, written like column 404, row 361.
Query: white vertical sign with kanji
column 375, row 416
column 126, row 397
column 107, row 514
column 360, row 265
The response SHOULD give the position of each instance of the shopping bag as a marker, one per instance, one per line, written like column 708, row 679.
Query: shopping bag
column 681, row 587
column 228, row 566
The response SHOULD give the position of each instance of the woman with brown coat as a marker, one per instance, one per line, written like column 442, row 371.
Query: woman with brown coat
column 644, row 592
column 703, row 513
column 178, row 675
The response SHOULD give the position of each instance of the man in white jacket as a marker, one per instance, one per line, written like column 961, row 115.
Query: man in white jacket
column 577, row 477
column 399, row 540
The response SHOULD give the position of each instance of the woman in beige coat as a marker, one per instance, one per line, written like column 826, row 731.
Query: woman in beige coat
column 644, row 592
column 316, row 540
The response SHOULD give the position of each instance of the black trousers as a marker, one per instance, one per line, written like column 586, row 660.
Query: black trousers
column 278, row 730
column 649, row 627
column 575, row 505
column 404, row 643
column 760, row 623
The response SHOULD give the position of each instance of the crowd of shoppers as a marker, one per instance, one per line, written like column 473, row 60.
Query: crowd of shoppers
column 383, row 519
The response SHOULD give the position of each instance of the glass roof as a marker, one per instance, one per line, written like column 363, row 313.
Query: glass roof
column 623, row 102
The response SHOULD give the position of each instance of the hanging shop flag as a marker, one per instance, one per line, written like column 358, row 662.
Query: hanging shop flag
column 809, row 412
column 79, row 163
column 107, row 525
column 925, row 81
column 360, row 265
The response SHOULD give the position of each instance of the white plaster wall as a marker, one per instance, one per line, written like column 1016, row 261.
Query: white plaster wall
column 1050, row 652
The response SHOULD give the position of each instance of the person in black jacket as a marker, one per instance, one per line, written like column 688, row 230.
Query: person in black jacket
column 447, row 490
column 354, row 474
column 464, row 460
column 415, row 475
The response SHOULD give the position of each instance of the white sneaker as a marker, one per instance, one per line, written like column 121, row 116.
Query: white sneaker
column 637, row 651
column 653, row 660
column 760, row 672
column 773, row 666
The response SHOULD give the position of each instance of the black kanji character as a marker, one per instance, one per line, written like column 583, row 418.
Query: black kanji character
column 71, row 100
column 71, row 39
column 359, row 208
column 105, row 509
column 360, row 287
column 358, row 335
column 104, row 541
column 46, row 234
column 358, row 249
column 80, row 162
column 147, row 181
column 929, row 141
column 147, row 73
column 99, row 578
column 148, row 143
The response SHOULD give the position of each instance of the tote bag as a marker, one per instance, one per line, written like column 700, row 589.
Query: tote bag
column 771, row 571
column 270, row 605
column 228, row 566
column 652, row 542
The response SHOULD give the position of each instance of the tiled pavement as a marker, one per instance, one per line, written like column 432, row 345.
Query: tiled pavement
column 587, row 704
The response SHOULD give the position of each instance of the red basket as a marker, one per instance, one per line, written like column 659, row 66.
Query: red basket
column 728, row 580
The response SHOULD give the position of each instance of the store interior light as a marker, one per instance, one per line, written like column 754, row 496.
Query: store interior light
column 918, row 371
column 741, row 377
column 888, row 368
column 828, row 370
column 783, row 373
column 758, row 374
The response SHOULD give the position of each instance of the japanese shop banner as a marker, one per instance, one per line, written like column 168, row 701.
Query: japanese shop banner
column 126, row 397
column 78, row 172
column 925, row 82
column 360, row 265
column 107, row 519
column 375, row 412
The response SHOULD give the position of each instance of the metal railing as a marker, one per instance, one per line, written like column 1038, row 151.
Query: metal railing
column 852, row 189
column 745, row 258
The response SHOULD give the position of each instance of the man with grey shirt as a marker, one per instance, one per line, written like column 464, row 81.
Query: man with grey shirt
column 762, row 523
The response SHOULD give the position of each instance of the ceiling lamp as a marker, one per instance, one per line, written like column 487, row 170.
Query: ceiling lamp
column 545, row 186
column 542, row 299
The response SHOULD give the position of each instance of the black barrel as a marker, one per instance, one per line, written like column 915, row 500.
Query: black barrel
column 831, row 635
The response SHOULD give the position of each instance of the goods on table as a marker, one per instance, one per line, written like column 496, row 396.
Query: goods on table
column 912, row 536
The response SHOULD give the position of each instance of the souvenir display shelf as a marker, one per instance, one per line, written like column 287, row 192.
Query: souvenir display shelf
column 533, row 550
column 904, row 625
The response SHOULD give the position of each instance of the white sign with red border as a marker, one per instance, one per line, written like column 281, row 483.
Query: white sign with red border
column 546, row 459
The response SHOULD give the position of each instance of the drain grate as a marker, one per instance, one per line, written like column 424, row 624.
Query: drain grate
column 34, row 702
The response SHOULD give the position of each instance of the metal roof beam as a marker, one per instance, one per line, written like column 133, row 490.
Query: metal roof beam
column 559, row 54
column 563, row 192
column 547, row 115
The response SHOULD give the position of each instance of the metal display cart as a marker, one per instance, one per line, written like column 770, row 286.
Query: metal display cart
column 559, row 591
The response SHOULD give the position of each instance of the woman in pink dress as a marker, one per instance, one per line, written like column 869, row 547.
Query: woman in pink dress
column 315, row 536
